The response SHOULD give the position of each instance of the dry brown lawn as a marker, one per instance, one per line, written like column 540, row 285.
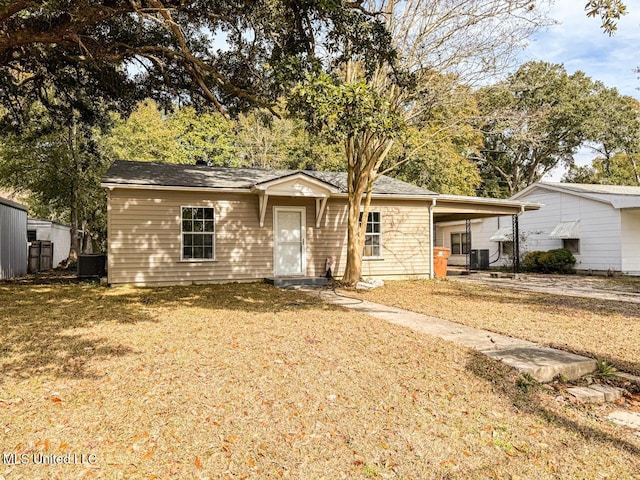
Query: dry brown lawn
column 604, row 329
column 246, row 381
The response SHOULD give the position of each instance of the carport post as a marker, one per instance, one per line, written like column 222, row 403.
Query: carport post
column 516, row 244
column 467, row 243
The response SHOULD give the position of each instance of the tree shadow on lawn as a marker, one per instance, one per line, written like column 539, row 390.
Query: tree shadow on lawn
column 246, row 297
column 39, row 328
column 39, row 323
column 503, row 378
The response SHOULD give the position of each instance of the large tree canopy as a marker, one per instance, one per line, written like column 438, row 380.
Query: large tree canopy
column 170, row 46
column 531, row 123
column 540, row 116
column 464, row 41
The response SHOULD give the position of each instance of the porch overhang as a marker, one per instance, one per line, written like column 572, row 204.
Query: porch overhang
column 449, row 208
column 295, row 185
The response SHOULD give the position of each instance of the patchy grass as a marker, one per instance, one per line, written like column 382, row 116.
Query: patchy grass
column 598, row 328
column 247, row 381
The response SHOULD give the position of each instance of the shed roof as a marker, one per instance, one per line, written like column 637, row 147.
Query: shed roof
column 125, row 173
column 618, row 196
column 11, row 203
column 596, row 188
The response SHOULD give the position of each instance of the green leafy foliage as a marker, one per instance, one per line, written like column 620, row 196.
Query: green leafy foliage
column 344, row 109
column 229, row 54
column 59, row 166
column 609, row 11
column 531, row 123
column 527, row 383
column 256, row 139
column 604, row 369
column 559, row 260
column 206, row 136
column 618, row 170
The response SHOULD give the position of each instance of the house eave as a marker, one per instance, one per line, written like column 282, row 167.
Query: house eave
column 138, row 186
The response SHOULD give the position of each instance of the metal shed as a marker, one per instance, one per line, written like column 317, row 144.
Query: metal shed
column 13, row 239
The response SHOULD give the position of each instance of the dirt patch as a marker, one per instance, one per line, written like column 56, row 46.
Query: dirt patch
column 247, row 381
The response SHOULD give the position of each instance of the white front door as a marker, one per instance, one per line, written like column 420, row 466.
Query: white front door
column 289, row 232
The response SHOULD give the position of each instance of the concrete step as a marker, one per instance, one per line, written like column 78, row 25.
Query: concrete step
column 596, row 393
column 284, row 282
column 544, row 363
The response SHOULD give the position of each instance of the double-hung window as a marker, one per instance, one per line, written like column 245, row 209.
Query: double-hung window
column 373, row 236
column 198, row 233
column 459, row 244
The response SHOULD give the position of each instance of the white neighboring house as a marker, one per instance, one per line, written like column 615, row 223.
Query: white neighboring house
column 57, row 233
column 600, row 224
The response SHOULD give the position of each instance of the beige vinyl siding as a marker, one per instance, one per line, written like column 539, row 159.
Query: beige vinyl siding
column 405, row 241
column 145, row 237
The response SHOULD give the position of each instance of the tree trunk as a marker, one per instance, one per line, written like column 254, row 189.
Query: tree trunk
column 634, row 168
column 75, row 247
column 74, row 203
column 355, row 240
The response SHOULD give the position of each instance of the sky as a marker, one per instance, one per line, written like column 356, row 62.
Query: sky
column 579, row 43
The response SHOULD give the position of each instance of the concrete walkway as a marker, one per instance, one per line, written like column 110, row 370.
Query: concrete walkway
column 541, row 363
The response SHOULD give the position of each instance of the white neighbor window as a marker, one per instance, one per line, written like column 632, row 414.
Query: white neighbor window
column 198, row 233
column 373, row 237
column 571, row 244
column 459, row 243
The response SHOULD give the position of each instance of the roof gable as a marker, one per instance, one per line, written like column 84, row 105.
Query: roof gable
column 297, row 184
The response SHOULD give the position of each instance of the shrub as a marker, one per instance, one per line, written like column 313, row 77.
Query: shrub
column 559, row 260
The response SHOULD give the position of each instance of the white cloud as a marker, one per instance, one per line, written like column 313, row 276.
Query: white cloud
column 578, row 42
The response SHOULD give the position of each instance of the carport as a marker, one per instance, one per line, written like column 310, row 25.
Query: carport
column 458, row 208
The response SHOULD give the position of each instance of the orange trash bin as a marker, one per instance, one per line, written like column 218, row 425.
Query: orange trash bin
column 440, row 256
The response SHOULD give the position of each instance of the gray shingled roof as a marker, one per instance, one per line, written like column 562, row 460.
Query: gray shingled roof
column 200, row 176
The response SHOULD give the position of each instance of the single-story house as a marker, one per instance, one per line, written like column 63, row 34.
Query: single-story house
column 600, row 224
column 177, row 224
column 58, row 234
column 13, row 239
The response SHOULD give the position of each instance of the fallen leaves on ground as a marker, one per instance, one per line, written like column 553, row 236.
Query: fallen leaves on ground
column 248, row 381
column 597, row 328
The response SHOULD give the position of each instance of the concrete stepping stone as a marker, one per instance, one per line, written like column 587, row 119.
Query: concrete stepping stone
column 628, row 377
column 596, row 393
column 542, row 363
column 627, row 419
column 611, row 394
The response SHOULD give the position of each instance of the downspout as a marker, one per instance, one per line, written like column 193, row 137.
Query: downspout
column 431, row 238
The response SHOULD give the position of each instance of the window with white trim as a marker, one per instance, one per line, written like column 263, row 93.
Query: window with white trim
column 459, row 244
column 198, row 233
column 373, row 236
